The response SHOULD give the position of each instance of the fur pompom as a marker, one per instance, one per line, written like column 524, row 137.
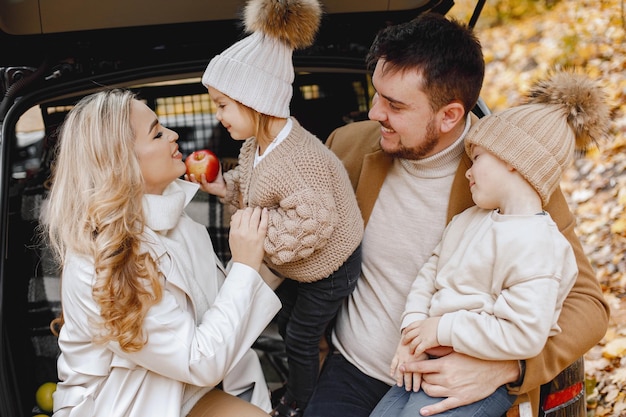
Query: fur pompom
column 294, row 22
column 582, row 100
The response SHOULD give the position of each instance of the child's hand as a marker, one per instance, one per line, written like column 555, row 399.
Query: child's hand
column 410, row 380
column 217, row 187
column 421, row 335
column 403, row 354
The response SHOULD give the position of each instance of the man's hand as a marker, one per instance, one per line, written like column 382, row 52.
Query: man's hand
column 461, row 378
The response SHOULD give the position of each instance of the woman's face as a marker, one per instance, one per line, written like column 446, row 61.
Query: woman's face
column 233, row 116
column 156, row 148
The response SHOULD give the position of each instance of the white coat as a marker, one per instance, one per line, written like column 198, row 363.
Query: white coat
column 199, row 334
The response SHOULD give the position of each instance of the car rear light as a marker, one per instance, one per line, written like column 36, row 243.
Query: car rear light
column 563, row 397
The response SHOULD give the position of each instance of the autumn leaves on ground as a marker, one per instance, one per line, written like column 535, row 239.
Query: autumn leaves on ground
column 591, row 36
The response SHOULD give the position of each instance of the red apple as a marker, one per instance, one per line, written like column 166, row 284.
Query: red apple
column 203, row 162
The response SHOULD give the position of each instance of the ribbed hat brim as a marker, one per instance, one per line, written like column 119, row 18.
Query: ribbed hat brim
column 534, row 139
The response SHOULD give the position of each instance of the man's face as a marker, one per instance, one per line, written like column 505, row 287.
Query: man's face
column 409, row 127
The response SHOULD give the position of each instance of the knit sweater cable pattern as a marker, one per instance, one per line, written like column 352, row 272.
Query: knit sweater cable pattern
column 315, row 222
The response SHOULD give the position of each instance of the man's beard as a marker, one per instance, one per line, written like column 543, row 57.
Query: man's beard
column 430, row 141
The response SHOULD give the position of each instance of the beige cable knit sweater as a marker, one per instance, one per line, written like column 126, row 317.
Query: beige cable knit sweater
column 315, row 222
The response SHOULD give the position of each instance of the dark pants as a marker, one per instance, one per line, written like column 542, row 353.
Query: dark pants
column 344, row 391
column 308, row 310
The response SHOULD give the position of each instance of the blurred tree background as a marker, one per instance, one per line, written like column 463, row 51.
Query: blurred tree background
column 523, row 40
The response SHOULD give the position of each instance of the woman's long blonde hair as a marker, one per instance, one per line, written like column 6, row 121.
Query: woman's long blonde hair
column 95, row 209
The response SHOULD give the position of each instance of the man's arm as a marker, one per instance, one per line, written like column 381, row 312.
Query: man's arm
column 584, row 308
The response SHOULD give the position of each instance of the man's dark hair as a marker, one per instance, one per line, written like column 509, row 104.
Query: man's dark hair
column 445, row 52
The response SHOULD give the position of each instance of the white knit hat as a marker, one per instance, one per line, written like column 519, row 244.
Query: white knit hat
column 257, row 71
column 538, row 138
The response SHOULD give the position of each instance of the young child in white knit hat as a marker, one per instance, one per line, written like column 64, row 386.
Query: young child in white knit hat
column 494, row 286
column 315, row 225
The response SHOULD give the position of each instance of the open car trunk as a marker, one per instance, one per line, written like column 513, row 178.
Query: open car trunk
column 54, row 53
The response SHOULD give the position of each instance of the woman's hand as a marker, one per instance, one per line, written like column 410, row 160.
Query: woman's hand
column 248, row 228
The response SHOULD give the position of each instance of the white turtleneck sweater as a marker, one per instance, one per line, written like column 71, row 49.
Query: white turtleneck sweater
column 408, row 205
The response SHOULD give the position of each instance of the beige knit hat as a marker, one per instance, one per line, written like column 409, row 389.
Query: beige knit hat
column 538, row 138
column 257, row 71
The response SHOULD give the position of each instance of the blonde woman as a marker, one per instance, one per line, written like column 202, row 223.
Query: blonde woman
column 151, row 326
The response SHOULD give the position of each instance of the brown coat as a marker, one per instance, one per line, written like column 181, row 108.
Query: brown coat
column 357, row 145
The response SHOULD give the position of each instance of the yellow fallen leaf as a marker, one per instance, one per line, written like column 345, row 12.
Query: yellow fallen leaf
column 621, row 196
column 615, row 348
column 619, row 226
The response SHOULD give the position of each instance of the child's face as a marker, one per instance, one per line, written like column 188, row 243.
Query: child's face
column 487, row 178
column 233, row 116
